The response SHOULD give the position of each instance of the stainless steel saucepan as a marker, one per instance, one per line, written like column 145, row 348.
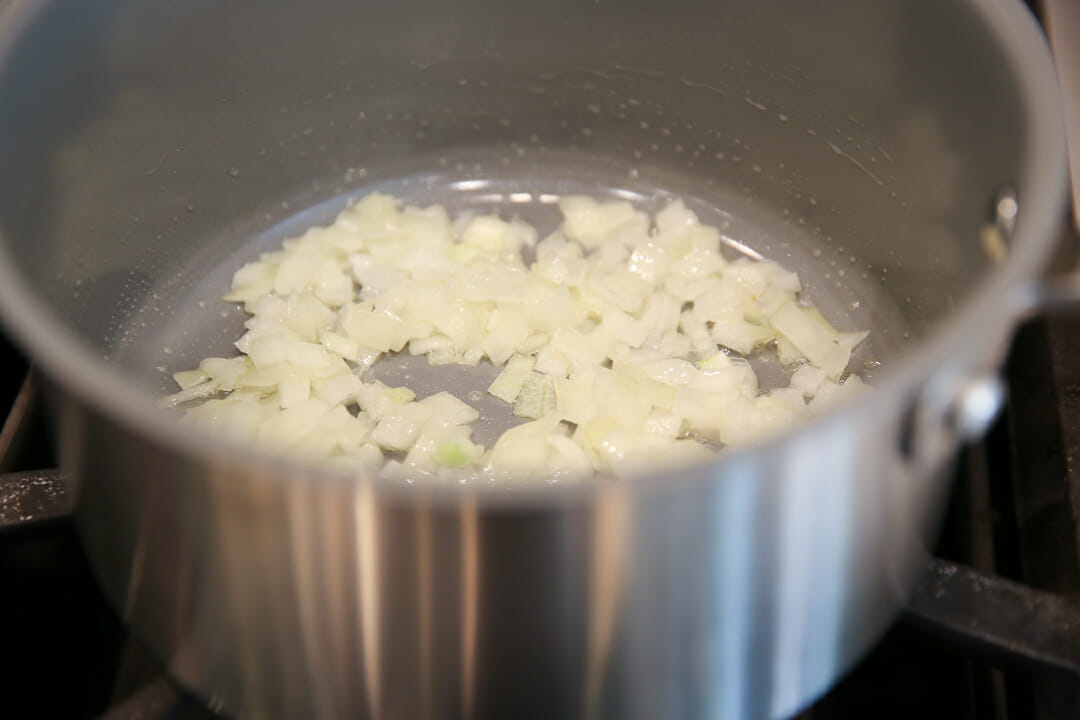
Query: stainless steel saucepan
column 880, row 149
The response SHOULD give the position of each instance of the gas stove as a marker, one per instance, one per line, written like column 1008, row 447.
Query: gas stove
column 992, row 630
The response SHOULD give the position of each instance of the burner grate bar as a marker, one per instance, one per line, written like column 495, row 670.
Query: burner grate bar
column 32, row 500
column 1005, row 621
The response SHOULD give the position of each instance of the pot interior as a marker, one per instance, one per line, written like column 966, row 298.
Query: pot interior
column 150, row 148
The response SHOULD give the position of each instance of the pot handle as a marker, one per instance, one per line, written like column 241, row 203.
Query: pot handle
column 961, row 407
column 1062, row 20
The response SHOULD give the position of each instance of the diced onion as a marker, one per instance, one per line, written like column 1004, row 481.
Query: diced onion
column 621, row 344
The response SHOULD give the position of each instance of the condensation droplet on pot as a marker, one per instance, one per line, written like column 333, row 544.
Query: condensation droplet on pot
column 665, row 132
column 167, row 349
column 816, row 252
column 234, row 172
column 634, row 174
column 719, row 156
column 161, row 369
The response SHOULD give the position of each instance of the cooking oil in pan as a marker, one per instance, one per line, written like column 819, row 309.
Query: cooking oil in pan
column 202, row 325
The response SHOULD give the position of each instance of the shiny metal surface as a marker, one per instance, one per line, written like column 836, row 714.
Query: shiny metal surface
column 740, row 591
column 147, row 143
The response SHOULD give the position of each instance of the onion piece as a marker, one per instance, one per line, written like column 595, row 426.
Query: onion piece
column 508, row 384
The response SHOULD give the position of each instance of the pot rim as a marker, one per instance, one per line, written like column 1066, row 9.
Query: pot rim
column 93, row 381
